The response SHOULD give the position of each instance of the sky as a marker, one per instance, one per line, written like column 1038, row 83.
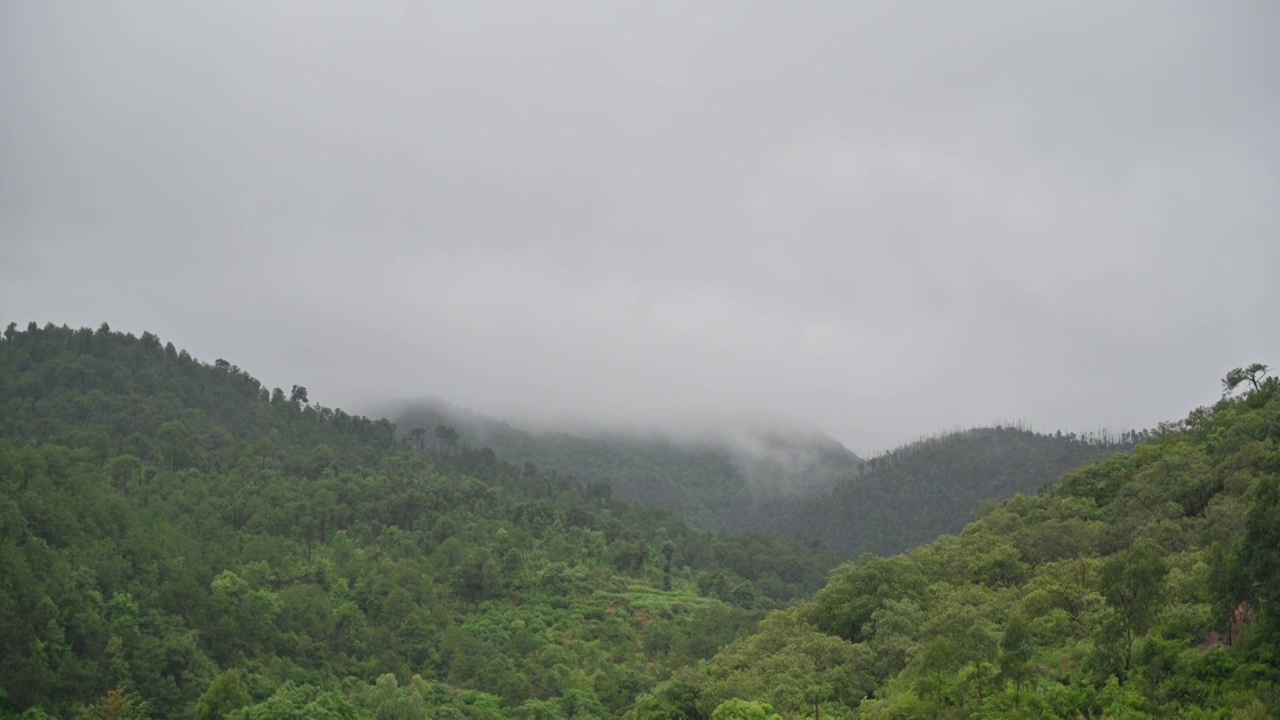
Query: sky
column 883, row 219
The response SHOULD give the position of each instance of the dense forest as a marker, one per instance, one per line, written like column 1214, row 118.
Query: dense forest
column 931, row 487
column 177, row 540
column 711, row 479
column 803, row 487
column 1144, row 585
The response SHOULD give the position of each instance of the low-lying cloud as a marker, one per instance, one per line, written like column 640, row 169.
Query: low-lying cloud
column 877, row 219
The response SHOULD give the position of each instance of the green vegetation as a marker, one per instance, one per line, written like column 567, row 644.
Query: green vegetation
column 932, row 487
column 1145, row 585
column 178, row 541
column 712, row 481
column 807, row 488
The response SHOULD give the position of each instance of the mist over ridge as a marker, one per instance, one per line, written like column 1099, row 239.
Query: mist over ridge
column 635, row 361
column 874, row 220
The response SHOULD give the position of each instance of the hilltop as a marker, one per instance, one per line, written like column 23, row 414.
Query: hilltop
column 177, row 540
column 1143, row 585
column 711, row 477
column 932, row 487
column 795, row 484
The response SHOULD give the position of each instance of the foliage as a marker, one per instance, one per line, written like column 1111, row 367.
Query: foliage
column 1143, row 585
column 715, row 481
column 805, row 487
column 743, row 710
column 178, row 541
column 928, row 488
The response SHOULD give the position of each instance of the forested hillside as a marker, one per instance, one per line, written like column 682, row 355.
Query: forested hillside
column 808, row 488
column 176, row 540
column 1144, row 585
column 714, row 480
column 932, row 487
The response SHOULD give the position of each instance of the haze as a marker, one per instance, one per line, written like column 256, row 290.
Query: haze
column 882, row 219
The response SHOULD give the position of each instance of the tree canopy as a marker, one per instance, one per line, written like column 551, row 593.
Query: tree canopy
column 1144, row 585
column 178, row 541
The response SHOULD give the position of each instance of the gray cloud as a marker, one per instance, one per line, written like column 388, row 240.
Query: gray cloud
column 879, row 218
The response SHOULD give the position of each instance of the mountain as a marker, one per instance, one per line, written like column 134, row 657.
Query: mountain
column 1146, row 584
column 177, row 540
column 710, row 478
column 932, row 487
column 795, row 484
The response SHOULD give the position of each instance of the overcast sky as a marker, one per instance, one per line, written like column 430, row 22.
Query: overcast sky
column 880, row 218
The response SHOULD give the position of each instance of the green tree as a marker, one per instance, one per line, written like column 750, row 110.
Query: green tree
column 123, row 469
column 264, row 449
column 225, row 694
column 1015, row 654
column 676, row 699
column 447, row 438
column 1253, row 375
column 668, row 550
column 1229, row 586
column 1259, row 552
column 737, row 709
column 174, row 439
column 1133, row 585
column 390, row 701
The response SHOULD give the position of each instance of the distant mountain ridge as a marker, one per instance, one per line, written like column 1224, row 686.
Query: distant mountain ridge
column 1144, row 585
column 934, row 486
column 708, row 477
column 797, row 484
column 177, row 537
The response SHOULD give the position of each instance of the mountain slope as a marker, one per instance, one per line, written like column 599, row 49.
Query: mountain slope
column 711, row 479
column 800, row 486
column 1143, row 585
column 177, row 541
column 929, row 488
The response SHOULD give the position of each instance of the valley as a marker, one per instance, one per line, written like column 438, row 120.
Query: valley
column 178, row 540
